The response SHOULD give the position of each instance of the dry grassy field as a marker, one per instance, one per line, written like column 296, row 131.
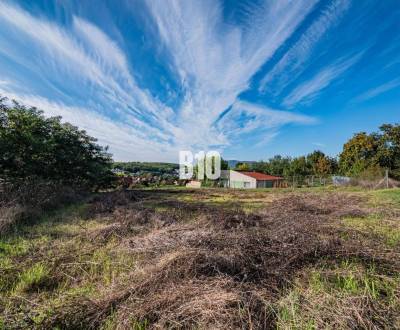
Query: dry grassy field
column 207, row 259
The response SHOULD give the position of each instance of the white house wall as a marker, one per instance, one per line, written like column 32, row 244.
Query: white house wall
column 239, row 180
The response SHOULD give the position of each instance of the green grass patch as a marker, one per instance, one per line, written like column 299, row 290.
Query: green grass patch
column 387, row 231
column 14, row 247
column 107, row 264
column 351, row 278
column 32, row 279
column 315, row 299
column 61, row 217
column 289, row 314
column 387, row 197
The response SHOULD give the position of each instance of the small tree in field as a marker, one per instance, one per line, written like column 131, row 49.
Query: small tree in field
column 33, row 147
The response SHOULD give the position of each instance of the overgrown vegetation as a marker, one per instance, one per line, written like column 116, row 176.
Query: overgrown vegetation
column 39, row 148
column 146, row 259
column 44, row 163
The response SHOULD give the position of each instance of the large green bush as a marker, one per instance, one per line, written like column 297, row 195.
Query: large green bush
column 33, row 147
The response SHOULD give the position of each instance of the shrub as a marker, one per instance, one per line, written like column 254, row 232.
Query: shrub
column 44, row 163
column 33, row 147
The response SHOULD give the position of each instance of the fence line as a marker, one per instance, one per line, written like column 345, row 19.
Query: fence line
column 299, row 181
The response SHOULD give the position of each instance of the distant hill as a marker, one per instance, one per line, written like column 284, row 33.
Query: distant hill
column 162, row 168
column 147, row 167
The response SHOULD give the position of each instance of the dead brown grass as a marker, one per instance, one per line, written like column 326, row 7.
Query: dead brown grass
column 201, row 266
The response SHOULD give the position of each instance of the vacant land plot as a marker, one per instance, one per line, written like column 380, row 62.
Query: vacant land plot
column 207, row 259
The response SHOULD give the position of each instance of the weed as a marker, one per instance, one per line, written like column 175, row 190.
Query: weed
column 388, row 196
column 110, row 323
column 14, row 247
column 139, row 325
column 376, row 225
column 32, row 279
column 328, row 295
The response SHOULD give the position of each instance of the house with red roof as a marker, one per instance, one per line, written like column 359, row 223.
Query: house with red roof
column 249, row 180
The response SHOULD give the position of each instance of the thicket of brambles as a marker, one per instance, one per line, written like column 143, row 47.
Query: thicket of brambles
column 44, row 161
column 364, row 155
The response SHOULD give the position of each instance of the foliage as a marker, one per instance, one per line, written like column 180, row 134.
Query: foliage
column 315, row 163
column 364, row 152
column 146, row 167
column 358, row 154
column 224, row 164
column 45, row 149
column 242, row 167
column 364, row 156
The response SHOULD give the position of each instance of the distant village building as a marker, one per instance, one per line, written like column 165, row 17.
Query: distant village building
column 250, row 180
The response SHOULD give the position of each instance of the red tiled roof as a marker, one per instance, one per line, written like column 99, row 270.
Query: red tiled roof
column 261, row 176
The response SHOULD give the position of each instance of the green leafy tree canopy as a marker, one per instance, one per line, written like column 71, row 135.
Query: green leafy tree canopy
column 33, row 146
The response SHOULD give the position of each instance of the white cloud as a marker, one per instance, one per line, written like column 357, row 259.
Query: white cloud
column 4, row 82
column 246, row 117
column 126, row 142
column 105, row 49
column 310, row 89
column 98, row 61
column 291, row 65
column 373, row 92
column 214, row 61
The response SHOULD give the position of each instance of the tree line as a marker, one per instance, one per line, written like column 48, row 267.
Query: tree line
column 363, row 155
column 33, row 147
column 146, row 167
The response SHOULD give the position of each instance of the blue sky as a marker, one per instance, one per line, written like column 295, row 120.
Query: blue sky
column 248, row 78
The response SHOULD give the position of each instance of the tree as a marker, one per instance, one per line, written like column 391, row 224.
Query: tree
column 323, row 166
column 320, row 164
column 277, row 165
column 359, row 153
column 224, row 164
column 313, row 159
column 242, row 167
column 35, row 147
column 388, row 153
column 371, row 153
column 298, row 167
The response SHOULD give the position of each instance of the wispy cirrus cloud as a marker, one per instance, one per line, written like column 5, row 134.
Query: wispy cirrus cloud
column 86, row 58
column 215, row 61
column 310, row 89
column 373, row 92
column 95, row 86
column 291, row 65
column 123, row 139
column 245, row 118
